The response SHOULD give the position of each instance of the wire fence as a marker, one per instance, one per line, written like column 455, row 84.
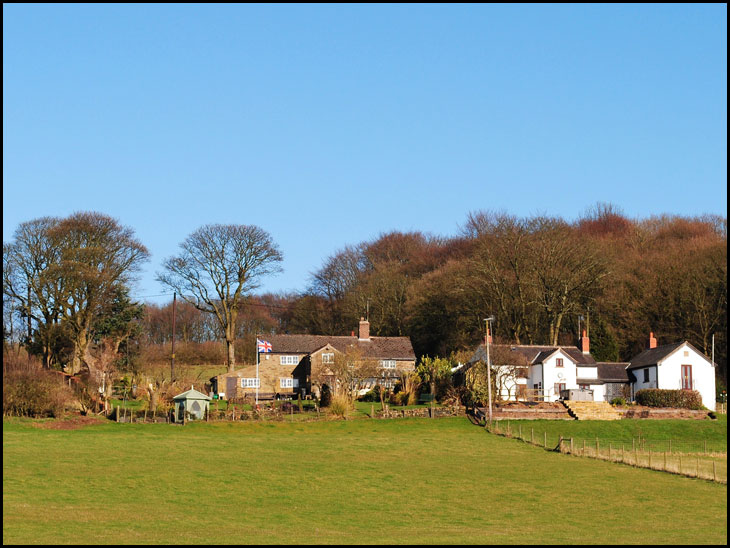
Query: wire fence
column 705, row 459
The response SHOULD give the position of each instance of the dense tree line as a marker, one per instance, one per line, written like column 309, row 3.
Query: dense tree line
column 540, row 276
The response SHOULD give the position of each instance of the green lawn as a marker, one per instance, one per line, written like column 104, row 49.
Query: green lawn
column 359, row 481
column 689, row 436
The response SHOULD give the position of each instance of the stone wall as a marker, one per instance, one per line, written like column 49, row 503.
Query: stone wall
column 640, row 412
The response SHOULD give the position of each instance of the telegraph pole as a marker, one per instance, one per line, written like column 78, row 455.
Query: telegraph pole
column 172, row 362
column 489, row 367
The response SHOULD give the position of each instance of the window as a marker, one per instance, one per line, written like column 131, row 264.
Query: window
column 584, row 386
column 387, row 364
column 286, row 382
column 646, row 375
column 328, row 358
column 250, row 383
column 558, row 362
column 289, row 360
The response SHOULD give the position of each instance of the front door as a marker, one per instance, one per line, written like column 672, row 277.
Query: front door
column 686, row 377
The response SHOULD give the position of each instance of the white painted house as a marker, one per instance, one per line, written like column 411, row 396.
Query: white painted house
column 678, row 366
column 543, row 372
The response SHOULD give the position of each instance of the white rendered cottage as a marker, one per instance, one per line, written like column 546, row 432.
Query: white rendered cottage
column 678, row 366
column 543, row 372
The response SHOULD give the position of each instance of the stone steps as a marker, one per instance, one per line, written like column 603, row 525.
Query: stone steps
column 592, row 410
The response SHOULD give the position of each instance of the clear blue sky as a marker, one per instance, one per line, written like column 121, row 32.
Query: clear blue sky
column 327, row 125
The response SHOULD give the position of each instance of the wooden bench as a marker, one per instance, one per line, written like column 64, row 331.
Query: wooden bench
column 426, row 398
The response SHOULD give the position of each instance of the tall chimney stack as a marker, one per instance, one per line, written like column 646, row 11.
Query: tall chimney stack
column 364, row 334
column 652, row 340
column 585, row 344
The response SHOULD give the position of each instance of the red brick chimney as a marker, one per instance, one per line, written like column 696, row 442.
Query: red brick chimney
column 364, row 330
column 652, row 340
column 585, row 344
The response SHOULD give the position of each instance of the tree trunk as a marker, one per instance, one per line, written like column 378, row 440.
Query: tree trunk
column 231, row 354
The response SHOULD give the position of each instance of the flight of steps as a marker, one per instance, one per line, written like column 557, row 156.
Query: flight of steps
column 592, row 410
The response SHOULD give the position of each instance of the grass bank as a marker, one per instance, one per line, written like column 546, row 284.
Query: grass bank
column 360, row 481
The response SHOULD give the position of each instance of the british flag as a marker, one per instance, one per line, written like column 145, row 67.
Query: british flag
column 263, row 346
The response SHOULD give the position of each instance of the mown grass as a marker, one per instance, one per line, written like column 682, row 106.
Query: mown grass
column 359, row 481
column 714, row 432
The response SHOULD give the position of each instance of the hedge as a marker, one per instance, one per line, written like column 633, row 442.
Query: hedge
column 681, row 399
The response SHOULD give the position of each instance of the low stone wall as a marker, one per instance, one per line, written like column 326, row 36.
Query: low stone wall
column 640, row 412
column 390, row 413
column 530, row 411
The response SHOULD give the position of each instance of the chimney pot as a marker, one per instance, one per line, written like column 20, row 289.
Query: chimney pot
column 585, row 343
column 364, row 333
column 652, row 340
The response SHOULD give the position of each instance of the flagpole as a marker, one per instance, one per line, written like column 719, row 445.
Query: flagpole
column 257, row 372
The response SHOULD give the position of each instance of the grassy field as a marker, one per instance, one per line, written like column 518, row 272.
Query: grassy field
column 360, row 481
column 688, row 435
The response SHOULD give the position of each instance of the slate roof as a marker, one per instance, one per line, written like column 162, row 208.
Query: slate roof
column 652, row 356
column 375, row 347
column 536, row 354
column 613, row 371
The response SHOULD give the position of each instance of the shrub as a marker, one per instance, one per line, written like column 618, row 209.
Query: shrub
column 618, row 401
column 340, row 405
column 35, row 394
column 371, row 395
column 681, row 399
column 325, row 398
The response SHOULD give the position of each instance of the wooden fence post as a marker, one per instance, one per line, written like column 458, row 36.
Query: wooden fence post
column 598, row 451
column 698, row 467
column 520, row 431
column 571, row 446
column 545, row 445
column 532, row 436
column 714, row 470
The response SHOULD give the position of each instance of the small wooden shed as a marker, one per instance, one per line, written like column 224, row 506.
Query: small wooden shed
column 190, row 405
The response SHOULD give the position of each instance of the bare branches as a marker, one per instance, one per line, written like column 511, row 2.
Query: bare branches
column 218, row 267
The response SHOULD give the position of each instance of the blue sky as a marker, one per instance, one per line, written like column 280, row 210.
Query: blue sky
column 327, row 125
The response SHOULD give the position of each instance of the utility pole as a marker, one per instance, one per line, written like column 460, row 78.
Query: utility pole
column 172, row 362
column 489, row 367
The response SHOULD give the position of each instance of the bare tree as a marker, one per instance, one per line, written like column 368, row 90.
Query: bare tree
column 219, row 266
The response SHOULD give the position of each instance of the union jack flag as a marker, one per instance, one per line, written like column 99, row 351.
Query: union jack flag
column 263, row 346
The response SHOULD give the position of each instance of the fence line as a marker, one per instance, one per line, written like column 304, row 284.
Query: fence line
column 673, row 457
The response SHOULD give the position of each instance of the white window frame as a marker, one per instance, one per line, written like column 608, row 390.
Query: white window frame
column 328, row 357
column 250, row 382
column 388, row 364
column 286, row 382
column 288, row 360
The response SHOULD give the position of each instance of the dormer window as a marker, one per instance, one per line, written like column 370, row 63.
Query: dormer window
column 558, row 362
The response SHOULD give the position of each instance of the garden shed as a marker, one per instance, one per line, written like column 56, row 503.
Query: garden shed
column 190, row 405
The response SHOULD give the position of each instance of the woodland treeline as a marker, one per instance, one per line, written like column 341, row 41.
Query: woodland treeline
column 539, row 276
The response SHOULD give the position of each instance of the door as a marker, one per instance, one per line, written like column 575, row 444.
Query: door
column 231, row 387
column 686, row 377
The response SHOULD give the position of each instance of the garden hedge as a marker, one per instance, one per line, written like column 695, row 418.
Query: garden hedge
column 681, row 399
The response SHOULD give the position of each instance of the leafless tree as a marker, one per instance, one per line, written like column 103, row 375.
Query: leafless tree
column 218, row 268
